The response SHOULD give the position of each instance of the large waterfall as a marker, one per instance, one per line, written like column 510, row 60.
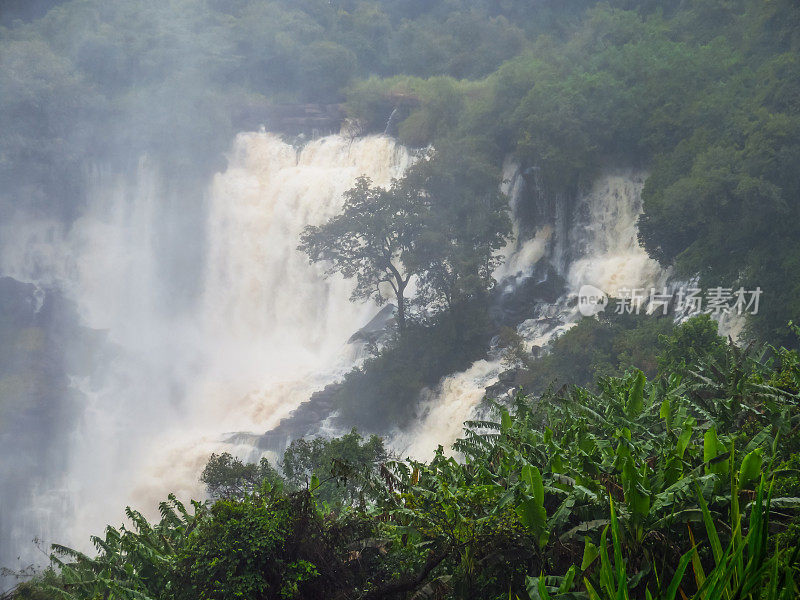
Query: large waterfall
column 272, row 329
column 265, row 329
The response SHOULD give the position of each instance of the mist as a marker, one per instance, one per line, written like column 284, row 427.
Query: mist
column 160, row 162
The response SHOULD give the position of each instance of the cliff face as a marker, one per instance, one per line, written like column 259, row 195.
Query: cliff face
column 40, row 342
column 292, row 119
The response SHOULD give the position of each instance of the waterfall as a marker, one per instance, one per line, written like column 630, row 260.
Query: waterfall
column 274, row 329
column 272, row 316
column 603, row 252
column 604, row 239
column 265, row 329
column 390, row 122
column 264, row 332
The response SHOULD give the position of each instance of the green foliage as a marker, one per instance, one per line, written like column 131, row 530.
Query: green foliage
column 228, row 477
column 695, row 339
column 132, row 563
column 729, row 577
column 343, row 465
column 703, row 94
column 443, row 223
column 465, row 225
column 641, row 489
column 607, row 345
column 238, row 551
column 266, row 545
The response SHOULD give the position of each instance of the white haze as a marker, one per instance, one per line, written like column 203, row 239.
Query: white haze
column 266, row 329
column 265, row 332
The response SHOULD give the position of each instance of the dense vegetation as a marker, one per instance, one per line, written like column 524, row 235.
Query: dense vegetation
column 609, row 345
column 705, row 96
column 670, row 469
column 678, row 486
column 702, row 93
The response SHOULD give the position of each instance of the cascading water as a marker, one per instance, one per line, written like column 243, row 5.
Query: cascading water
column 265, row 332
column 268, row 311
column 604, row 238
column 604, row 252
column 274, row 329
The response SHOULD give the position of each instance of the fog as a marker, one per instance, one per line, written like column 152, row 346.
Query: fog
column 111, row 134
column 160, row 160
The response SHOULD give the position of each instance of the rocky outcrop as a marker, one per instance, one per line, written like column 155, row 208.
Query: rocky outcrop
column 507, row 383
column 307, row 418
column 525, row 298
column 302, row 421
column 292, row 119
column 374, row 331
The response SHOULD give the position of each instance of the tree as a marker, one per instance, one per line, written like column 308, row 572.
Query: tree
column 226, row 476
column 689, row 342
column 443, row 222
column 370, row 241
column 466, row 224
column 349, row 460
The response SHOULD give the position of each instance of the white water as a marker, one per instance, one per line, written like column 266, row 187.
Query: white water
column 266, row 331
column 606, row 254
column 274, row 329
column 520, row 255
column 605, row 238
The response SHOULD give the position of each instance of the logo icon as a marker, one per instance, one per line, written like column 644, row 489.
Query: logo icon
column 591, row 300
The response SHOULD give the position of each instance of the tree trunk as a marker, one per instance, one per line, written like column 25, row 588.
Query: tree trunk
column 399, row 286
column 409, row 582
column 401, row 306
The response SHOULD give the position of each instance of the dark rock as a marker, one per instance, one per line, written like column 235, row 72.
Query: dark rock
column 302, row 421
column 507, row 376
column 291, row 119
column 516, row 301
column 378, row 326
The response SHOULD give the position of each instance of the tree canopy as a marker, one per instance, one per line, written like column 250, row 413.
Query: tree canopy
column 441, row 223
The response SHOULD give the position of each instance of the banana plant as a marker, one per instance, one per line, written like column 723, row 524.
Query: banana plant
column 531, row 510
column 134, row 563
column 745, row 569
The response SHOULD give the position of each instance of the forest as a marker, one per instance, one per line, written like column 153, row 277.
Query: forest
column 640, row 457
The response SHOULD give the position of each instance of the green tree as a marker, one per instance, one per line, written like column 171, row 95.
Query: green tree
column 695, row 339
column 239, row 551
column 443, row 222
column 466, row 223
column 371, row 241
column 342, row 464
column 226, row 476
